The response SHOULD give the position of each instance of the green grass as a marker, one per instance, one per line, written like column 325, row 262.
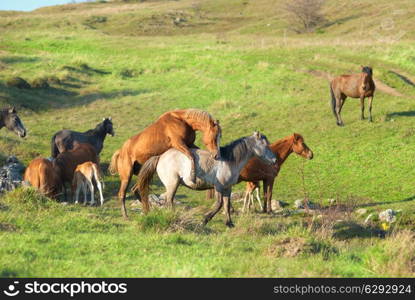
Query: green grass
column 248, row 75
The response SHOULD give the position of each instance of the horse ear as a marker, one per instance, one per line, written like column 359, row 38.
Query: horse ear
column 216, row 122
column 103, row 119
column 12, row 110
column 256, row 134
column 110, row 118
column 296, row 136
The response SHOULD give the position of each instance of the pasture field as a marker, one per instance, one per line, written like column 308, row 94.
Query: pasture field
column 236, row 60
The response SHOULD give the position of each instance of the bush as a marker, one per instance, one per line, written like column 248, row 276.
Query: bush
column 304, row 15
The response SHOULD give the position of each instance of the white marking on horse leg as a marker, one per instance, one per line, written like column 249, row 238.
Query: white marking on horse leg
column 258, row 198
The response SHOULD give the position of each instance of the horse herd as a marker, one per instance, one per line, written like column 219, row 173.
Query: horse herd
column 166, row 147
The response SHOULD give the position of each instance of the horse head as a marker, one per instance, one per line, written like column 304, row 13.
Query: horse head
column 211, row 138
column 107, row 122
column 300, row 147
column 367, row 70
column 261, row 148
column 13, row 123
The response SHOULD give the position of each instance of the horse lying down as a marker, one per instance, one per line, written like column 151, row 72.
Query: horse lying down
column 174, row 169
column 85, row 176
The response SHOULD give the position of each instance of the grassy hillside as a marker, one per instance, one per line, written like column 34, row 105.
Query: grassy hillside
column 237, row 60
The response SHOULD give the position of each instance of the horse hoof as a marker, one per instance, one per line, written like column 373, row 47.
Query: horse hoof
column 230, row 224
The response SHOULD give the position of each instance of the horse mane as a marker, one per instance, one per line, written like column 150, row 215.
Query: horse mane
column 235, row 150
column 96, row 129
column 198, row 115
column 367, row 70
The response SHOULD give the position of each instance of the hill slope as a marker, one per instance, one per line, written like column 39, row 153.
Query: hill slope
column 133, row 62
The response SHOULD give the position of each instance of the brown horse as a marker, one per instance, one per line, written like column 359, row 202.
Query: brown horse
column 174, row 129
column 66, row 162
column 355, row 86
column 255, row 170
column 42, row 174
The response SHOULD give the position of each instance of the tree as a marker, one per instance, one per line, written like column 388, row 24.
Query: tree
column 305, row 15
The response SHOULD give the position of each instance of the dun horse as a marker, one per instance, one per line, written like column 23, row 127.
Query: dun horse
column 355, row 86
column 174, row 129
column 174, row 169
column 10, row 120
column 43, row 175
column 64, row 140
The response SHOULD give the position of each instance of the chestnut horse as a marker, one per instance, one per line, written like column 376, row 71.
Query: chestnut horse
column 42, row 174
column 355, row 86
column 174, row 129
column 255, row 170
column 66, row 162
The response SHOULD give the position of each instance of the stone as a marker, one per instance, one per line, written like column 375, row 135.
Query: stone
column 11, row 174
column 388, row 215
column 276, row 205
column 361, row 211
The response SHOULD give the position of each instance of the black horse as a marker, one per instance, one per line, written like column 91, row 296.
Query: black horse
column 64, row 140
column 10, row 120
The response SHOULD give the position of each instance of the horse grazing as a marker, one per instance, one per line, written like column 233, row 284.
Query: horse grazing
column 84, row 177
column 174, row 129
column 355, row 86
column 255, row 170
column 10, row 120
column 64, row 140
column 67, row 161
column 174, row 169
column 42, row 174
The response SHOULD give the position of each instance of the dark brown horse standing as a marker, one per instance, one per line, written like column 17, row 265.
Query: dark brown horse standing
column 355, row 86
column 66, row 162
column 174, row 129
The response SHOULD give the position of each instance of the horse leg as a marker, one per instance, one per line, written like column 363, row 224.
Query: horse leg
column 339, row 105
column 362, row 107
column 99, row 186
column 245, row 201
column 85, row 190
column 170, row 193
column 91, row 187
column 227, row 207
column 257, row 197
column 264, row 208
column 125, row 181
column 268, row 195
column 370, row 108
column 218, row 206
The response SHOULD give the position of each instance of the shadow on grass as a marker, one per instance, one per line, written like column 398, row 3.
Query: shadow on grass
column 349, row 230
column 40, row 99
column 404, row 78
column 18, row 59
column 412, row 198
column 409, row 113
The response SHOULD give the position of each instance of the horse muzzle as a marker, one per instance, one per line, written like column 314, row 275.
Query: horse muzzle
column 310, row 156
column 21, row 133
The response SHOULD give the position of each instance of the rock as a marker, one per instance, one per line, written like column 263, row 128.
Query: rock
column 361, row 211
column 301, row 204
column 18, row 82
column 11, row 174
column 388, row 215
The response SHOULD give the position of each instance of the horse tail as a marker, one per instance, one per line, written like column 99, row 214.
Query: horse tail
column 113, row 168
column 54, row 149
column 144, row 179
column 333, row 100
